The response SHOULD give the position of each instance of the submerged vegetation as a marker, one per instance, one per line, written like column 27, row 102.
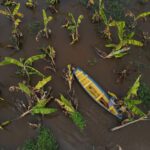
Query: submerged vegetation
column 44, row 141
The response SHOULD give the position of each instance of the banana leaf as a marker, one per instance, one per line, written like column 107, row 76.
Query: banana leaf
column 72, row 18
column 45, row 18
column 80, row 18
column 75, row 116
column 41, row 103
column 9, row 60
column 144, row 14
column 33, row 71
column 25, row 89
column 16, row 9
column 65, row 104
column 4, row 12
column 134, row 89
column 30, row 60
column 42, row 83
column 102, row 12
column 134, row 42
column 43, row 111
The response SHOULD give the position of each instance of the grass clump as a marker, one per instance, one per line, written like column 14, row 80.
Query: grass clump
column 44, row 141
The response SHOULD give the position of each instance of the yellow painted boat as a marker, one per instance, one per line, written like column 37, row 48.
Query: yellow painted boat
column 96, row 92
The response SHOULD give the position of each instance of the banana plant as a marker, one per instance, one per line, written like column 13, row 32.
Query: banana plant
column 15, row 16
column 68, row 76
column 74, row 115
column 101, row 15
column 8, row 3
column 120, row 49
column 51, row 55
column 130, row 101
column 37, row 97
column 31, row 3
column 16, row 35
column 72, row 26
column 12, row 14
column 52, row 5
column 45, row 31
column 25, row 66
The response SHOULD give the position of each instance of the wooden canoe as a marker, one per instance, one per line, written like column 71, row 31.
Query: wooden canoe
column 96, row 92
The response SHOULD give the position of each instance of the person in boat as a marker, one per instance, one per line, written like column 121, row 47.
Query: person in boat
column 126, row 114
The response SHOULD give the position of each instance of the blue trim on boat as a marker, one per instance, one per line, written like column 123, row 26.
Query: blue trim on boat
column 119, row 116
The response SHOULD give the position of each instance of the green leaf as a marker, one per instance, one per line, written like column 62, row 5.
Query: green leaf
column 78, row 119
column 5, row 123
column 42, row 83
column 144, row 14
column 73, row 114
column 31, row 59
column 134, row 42
column 9, row 60
column 65, row 104
column 4, row 12
column 136, row 102
column 120, row 26
column 102, row 12
column 80, row 18
column 134, row 89
column 41, row 103
column 34, row 71
column 16, row 9
column 43, row 111
column 45, row 18
column 25, row 89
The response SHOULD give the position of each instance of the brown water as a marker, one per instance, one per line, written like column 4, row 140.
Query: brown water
column 96, row 135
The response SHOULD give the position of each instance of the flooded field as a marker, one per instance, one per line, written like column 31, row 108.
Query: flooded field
column 97, row 134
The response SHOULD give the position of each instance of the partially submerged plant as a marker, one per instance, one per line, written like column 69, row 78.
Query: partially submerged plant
column 51, row 55
column 9, row 3
column 130, row 100
column 45, row 31
column 120, row 49
column 101, row 15
column 16, row 35
column 12, row 14
column 75, row 116
column 37, row 97
column 68, row 76
column 31, row 3
column 25, row 66
column 72, row 26
column 52, row 5
column 44, row 141
column 15, row 16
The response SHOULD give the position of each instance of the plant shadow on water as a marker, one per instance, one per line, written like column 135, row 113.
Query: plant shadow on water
column 98, row 122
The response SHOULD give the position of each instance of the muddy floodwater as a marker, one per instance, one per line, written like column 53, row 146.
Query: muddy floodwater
column 97, row 134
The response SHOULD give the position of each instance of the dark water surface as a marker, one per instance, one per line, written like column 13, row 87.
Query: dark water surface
column 96, row 135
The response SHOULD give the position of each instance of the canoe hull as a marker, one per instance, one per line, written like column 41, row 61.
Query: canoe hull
column 96, row 92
